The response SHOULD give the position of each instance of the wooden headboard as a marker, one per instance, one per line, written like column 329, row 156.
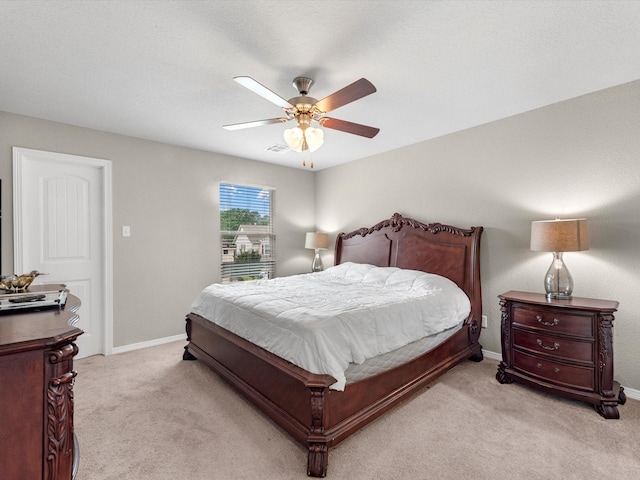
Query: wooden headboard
column 433, row 248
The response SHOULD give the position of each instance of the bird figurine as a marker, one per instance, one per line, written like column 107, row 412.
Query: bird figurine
column 6, row 281
column 19, row 282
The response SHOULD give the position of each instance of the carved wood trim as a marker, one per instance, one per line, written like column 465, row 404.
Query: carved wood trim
column 187, row 328
column 397, row 221
column 318, row 459
column 67, row 352
column 505, row 330
column 605, row 354
column 59, row 422
column 474, row 330
column 317, row 411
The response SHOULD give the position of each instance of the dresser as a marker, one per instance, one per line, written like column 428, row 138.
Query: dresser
column 36, row 390
column 563, row 347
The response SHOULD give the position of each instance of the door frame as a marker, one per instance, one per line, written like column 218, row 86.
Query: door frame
column 19, row 157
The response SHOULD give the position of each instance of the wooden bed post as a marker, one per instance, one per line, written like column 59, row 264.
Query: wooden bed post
column 186, row 355
column 318, row 460
column 318, row 450
column 474, row 336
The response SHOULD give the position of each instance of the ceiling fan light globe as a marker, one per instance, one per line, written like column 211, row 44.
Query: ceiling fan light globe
column 294, row 138
column 314, row 138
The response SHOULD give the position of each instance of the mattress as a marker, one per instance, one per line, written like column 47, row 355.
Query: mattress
column 326, row 321
column 387, row 361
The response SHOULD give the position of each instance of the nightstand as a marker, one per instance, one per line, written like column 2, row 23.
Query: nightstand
column 563, row 347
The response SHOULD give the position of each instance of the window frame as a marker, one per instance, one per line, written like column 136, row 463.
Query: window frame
column 256, row 237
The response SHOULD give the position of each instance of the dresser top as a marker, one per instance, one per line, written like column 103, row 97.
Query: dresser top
column 573, row 302
column 22, row 330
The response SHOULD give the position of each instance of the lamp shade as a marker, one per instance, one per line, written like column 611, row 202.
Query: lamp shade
column 559, row 235
column 294, row 138
column 314, row 138
column 316, row 241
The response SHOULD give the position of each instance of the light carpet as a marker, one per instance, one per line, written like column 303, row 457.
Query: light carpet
column 149, row 415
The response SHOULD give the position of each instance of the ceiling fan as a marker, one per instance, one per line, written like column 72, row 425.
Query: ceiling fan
column 305, row 109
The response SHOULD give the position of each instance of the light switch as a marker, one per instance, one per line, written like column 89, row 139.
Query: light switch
column 126, row 231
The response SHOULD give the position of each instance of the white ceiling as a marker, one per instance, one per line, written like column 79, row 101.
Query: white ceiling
column 162, row 70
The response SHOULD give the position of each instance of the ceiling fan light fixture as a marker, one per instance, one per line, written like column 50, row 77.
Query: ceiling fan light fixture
column 299, row 140
column 294, row 138
column 314, row 138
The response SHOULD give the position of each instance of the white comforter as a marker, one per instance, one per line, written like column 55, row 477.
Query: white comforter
column 324, row 321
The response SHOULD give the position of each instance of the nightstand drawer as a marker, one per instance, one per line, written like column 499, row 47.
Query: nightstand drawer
column 569, row 375
column 554, row 322
column 558, row 347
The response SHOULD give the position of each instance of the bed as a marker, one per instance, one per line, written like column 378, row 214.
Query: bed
column 307, row 405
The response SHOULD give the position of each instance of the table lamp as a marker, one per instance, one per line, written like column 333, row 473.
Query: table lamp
column 559, row 236
column 316, row 241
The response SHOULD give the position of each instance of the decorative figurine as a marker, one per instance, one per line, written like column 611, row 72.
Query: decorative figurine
column 18, row 283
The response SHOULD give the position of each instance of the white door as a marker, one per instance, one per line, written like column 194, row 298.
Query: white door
column 62, row 227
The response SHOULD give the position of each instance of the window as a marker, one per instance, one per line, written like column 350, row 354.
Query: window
column 247, row 232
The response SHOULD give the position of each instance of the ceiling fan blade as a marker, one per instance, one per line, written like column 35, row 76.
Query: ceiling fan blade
column 263, row 91
column 358, row 89
column 349, row 127
column 257, row 123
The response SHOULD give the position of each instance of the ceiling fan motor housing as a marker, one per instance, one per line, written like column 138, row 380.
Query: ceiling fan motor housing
column 302, row 85
column 302, row 104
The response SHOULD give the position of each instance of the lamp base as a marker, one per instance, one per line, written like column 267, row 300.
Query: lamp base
column 317, row 266
column 558, row 283
column 558, row 296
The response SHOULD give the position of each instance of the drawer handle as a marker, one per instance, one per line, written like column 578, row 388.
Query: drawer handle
column 548, row 324
column 556, row 346
column 555, row 369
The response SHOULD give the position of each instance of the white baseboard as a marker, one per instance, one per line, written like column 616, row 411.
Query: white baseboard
column 629, row 392
column 149, row 343
column 632, row 393
column 492, row 355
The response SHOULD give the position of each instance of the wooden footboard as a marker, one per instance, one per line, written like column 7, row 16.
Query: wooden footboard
column 301, row 402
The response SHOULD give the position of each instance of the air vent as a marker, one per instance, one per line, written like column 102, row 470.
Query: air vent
column 276, row 148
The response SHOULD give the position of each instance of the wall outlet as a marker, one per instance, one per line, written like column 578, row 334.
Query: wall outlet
column 484, row 321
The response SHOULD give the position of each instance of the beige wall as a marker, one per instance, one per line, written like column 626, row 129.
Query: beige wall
column 576, row 158
column 168, row 196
